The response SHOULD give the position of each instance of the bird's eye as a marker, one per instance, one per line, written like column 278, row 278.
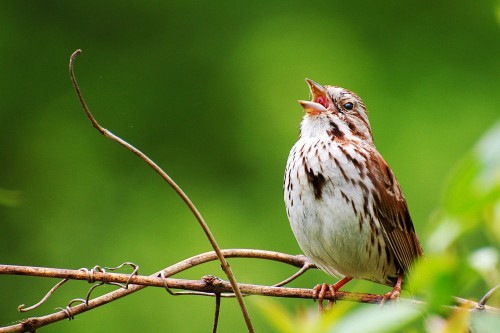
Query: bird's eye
column 348, row 106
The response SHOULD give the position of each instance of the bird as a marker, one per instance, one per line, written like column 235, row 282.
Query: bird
column 345, row 207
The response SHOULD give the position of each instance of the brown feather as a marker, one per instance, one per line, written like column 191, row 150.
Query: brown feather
column 392, row 212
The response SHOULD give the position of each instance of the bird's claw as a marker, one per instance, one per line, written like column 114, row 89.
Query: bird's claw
column 391, row 295
column 319, row 293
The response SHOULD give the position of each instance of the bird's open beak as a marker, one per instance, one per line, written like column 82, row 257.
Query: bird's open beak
column 319, row 102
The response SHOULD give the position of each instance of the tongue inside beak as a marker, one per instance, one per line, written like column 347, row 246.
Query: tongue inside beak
column 319, row 102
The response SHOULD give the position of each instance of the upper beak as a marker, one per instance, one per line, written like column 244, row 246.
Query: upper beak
column 319, row 102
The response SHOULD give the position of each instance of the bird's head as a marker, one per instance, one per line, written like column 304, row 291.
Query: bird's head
column 335, row 111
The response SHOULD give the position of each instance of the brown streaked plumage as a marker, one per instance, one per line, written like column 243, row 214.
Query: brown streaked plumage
column 344, row 204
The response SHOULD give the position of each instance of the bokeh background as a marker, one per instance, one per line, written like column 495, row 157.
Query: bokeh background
column 208, row 90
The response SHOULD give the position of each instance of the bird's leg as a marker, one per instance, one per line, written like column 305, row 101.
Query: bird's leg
column 334, row 288
column 396, row 291
column 319, row 292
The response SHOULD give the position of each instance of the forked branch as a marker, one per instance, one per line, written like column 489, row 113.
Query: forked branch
column 208, row 285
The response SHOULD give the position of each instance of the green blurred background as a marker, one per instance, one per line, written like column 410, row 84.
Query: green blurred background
column 208, row 90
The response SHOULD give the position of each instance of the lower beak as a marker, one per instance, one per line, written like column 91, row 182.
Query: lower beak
column 312, row 108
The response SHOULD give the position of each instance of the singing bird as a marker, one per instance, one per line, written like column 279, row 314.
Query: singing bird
column 345, row 207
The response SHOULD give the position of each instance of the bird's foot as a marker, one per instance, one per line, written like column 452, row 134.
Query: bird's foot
column 319, row 293
column 395, row 293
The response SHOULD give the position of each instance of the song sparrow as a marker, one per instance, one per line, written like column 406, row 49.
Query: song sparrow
column 345, row 206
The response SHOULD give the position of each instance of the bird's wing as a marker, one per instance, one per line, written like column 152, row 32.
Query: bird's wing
column 391, row 210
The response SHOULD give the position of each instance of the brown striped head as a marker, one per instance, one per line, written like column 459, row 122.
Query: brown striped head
column 335, row 111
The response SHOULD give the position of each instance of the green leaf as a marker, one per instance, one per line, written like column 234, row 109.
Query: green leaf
column 374, row 319
column 473, row 191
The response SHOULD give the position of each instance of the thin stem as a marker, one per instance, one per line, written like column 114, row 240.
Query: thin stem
column 21, row 308
column 225, row 265
column 217, row 312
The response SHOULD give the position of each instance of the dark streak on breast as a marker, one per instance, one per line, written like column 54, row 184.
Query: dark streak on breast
column 340, row 168
column 346, row 198
column 334, row 131
column 317, row 181
column 354, row 207
column 364, row 188
column 347, row 155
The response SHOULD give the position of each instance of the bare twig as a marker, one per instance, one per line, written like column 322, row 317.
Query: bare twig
column 482, row 303
column 216, row 313
column 90, row 277
column 139, row 282
column 307, row 266
column 21, row 308
column 33, row 323
column 208, row 285
column 224, row 264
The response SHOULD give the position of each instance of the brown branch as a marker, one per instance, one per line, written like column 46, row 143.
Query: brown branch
column 224, row 264
column 208, row 285
column 33, row 323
